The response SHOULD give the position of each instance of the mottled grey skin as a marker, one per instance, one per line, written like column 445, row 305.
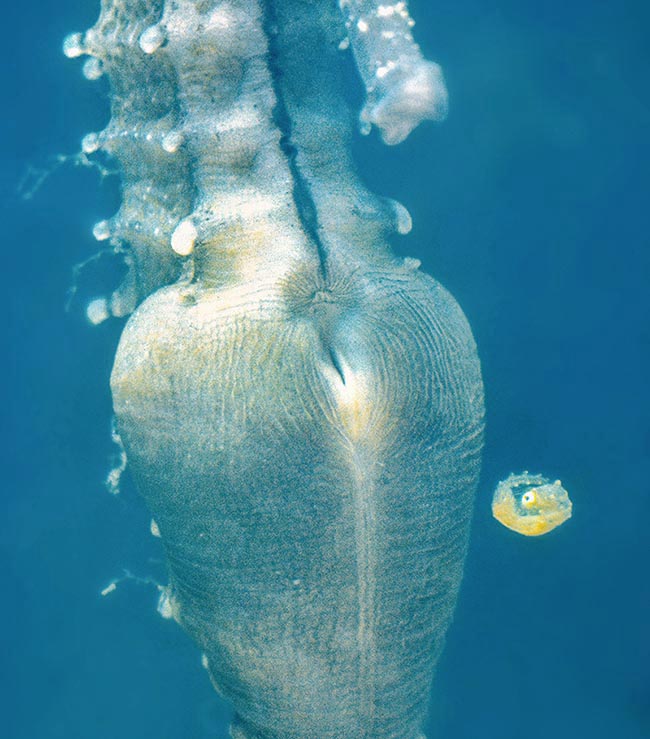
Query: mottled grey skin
column 315, row 551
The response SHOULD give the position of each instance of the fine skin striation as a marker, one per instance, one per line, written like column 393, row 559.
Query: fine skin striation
column 301, row 410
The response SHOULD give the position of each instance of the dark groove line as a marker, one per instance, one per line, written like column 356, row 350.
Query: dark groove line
column 302, row 195
column 337, row 365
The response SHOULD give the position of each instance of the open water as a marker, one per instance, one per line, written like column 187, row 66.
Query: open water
column 531, row 204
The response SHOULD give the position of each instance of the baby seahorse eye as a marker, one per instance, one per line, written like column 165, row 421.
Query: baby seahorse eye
column 529, row 498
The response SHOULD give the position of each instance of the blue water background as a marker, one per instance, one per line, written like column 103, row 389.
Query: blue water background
column 531, row 204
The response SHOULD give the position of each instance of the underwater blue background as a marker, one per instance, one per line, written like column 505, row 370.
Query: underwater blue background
column 531, row 204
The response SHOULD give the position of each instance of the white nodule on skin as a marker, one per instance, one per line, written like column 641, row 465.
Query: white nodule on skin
column 102, row 230
column 385, row 11
column 165, row 605
column 184, row 238
column 385, row 69
column 151, row 39
column 97, row 311
column 221, row 19
column 73, row 45
column 93, row 68
column 403, row 219
column 90, row 143
column 172, row 141
column 122, row 303
column 411, row 264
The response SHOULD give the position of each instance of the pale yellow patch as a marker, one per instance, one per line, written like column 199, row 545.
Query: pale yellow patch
column 352, row 398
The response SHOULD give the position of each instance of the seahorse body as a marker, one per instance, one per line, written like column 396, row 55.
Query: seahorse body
column 301, row 410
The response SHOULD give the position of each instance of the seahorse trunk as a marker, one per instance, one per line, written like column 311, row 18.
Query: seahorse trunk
column 313, row 494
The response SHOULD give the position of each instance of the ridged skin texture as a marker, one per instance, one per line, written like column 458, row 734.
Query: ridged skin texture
column 310, row 457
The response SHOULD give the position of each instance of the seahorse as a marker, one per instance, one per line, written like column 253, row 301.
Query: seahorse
column 301, row 410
